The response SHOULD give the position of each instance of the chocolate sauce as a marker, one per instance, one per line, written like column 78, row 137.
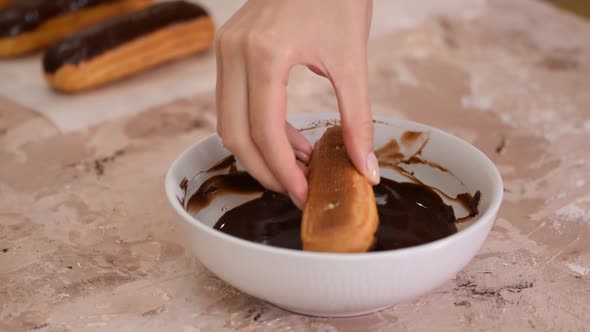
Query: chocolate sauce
column 409, row 214
column 109, row 34
column 271, row 219
column 410, row 137
column 235, row 182
column 470, row 203
column 227, row 162
column 26, row 15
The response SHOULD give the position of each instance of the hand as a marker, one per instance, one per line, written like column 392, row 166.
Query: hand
column 256, row 49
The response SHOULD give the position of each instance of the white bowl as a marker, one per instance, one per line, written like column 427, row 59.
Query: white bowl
column 336, row 285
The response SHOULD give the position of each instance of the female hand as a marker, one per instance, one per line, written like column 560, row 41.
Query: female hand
column 256, row 49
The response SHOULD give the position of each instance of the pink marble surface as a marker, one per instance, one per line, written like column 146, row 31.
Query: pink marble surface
column 88, row 241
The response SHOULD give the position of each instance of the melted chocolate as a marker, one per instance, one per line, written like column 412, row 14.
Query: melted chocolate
column 409, row 214
column 109, row 34
column 271, row 219
column 227, row 162
column 26, row 15
column 470, row 203
column 236, row 182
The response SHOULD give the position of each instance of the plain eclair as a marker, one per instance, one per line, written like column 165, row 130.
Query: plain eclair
column 340, row 214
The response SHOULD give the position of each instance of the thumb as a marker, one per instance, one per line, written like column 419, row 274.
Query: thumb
column 352, row 90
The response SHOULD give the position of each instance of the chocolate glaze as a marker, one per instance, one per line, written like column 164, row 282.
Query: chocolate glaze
column 26, row 15
column 271, row 219
column 227, row 162
column 470, row 203
column 409, row 214
column 236, row 182
column 410, row 137
column 417, row 160
column 109, row 34
column 466, row 200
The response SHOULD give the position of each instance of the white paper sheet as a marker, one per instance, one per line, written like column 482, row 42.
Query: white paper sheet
column 22, row 81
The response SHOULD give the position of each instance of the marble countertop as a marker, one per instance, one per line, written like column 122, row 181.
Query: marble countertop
column 88, row 240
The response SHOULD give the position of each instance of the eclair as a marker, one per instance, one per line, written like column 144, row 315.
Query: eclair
column 30, row 25
column 340, row 214
column 128, row 44
column 4, row 3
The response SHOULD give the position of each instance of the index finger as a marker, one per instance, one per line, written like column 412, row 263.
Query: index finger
column 267, row 106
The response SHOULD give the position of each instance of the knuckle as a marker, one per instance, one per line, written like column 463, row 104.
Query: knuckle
column 230, row 141
column 362, row 128
column 225, row 39
column 265, row 45
column 260, row 137
column 221, row 35
column 269, row 183
column 219, row 129
column 258, row 44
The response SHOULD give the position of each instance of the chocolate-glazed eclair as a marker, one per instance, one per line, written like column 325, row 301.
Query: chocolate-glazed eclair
column 29, row 25
column 4, row 3
column 128, row 44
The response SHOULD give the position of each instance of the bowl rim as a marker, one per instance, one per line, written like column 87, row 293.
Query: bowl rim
column 475, row 227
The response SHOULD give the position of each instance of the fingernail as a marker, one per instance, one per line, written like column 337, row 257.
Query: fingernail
column 372, row 169
column 296, row 201
column 302, row 156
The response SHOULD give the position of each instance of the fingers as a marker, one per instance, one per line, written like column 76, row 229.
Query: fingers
column 300, row 144
column 269, row 130
column 255, row 52
column 316, row 70
column 249, row 133
column 350, row 82
column 232, row 108
column 303, row 167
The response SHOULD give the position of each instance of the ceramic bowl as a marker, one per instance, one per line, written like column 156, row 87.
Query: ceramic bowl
column 337, row 285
